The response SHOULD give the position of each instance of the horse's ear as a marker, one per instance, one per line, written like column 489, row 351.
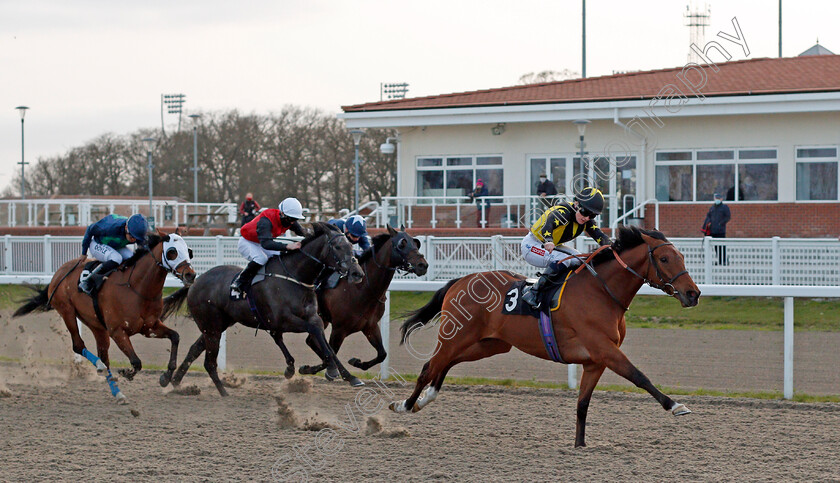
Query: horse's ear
column 392, row 231
column 402, row 227
column 178, row 230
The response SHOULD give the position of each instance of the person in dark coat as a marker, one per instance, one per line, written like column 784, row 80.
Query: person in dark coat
column 715, row 226
column 478, row 193
column 248, row 209
column 546, row 191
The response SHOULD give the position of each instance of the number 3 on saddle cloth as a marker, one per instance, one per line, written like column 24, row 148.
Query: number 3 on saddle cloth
column 549, row 298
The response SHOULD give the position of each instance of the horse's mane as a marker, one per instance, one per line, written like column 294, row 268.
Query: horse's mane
column 628, row 237
column 319, row 228
column 152, row 241
column 378, row 242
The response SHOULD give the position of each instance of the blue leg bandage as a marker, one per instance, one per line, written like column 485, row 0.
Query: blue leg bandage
column 112, row 383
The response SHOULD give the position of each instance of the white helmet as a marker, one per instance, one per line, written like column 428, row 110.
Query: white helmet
column 292, row 208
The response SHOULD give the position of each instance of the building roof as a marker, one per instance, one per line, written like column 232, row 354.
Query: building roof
column 811, row 73
column 817, row 49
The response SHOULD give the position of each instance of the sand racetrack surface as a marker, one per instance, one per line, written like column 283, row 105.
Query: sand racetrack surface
column 64, row 428
column 59, row 422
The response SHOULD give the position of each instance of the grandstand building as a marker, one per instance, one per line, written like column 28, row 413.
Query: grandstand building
column 763, row 132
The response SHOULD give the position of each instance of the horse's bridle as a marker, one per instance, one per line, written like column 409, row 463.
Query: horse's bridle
column 662, row 285
column 404, row 265
column 169, row 268
column 341, row 267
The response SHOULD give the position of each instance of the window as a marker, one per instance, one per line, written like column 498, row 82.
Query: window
column 737, row 174
column 457, row 175
column 816, row 173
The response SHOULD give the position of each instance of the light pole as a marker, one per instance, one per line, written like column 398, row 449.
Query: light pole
column 149, row 143
column 581, row 127
column 22, row 111
column 195, row 117
column 357, row 136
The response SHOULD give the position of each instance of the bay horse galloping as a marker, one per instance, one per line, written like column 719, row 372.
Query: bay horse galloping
column 129, row 302
column 285, row 300
column 352, row 308
column 589, row 323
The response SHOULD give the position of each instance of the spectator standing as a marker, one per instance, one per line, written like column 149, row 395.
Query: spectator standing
column 546, row 191
column 248, row 209
column 715, row 226
column 479, row 192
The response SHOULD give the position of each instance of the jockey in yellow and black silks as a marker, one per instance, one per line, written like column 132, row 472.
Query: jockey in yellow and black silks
column 543, row 245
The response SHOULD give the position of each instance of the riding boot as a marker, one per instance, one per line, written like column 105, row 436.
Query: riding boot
column 242, row 282
column 96, row 276
column 532, row 295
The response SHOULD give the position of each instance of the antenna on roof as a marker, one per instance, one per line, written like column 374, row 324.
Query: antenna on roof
column 697, row 20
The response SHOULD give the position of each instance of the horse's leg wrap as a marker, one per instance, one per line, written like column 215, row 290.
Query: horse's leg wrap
column 97, row 362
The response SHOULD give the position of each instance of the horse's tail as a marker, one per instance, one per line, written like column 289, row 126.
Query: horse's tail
column 424, row 314
column 39, row 302
column 173, row 302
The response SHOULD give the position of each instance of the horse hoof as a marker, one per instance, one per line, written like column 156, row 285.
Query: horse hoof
column 355, row 362
column 127, row 374
column 332, row 374
column 680, row 409
column 165, row 378
column 415, row 408
column 355, row 382
column 397, row 406
column 121, row 399
column 305, row 370
column 101, row 368
column 290, row 372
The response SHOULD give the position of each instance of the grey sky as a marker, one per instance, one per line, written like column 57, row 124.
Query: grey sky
column 90, row 67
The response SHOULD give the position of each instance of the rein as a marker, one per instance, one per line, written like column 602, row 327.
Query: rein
column 323, row 265
column 662, row 285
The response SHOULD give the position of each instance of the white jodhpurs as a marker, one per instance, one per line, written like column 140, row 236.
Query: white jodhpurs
column 253, row 252
column 536, row 255
column 103, row 252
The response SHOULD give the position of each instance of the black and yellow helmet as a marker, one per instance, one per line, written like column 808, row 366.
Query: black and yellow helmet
column 591, row 201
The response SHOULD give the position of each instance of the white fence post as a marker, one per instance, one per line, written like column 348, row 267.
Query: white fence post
column 497, row 250
column 7, row 255
column 48, row 255
column 776, row 263
column 222, row 359
column 572, row 376
column 707, row 259
column 788, row 387
column 219, row 257
column 430, row 257
column 385, row 330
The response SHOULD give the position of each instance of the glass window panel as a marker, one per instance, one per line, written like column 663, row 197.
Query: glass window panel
column 712, row 155
column 537, row 168
column 674, row 156
column 430, row 183
column 423, row 162
column 488, row 160
column 557, row 174
column 816, row 181
column 673, row 183
column 816, row 153
column 757, row 154
column 460, row 161
column 459, row 182
column 758, row 182
column 602, row 172
column 626, row 177
column 713, row 179
column 494, row 180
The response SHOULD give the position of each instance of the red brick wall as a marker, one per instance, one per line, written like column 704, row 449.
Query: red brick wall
column 764, row 220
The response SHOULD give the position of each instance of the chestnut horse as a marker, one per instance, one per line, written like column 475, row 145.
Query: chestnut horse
column 352, row 308
column 129, row 301
column 589, row 324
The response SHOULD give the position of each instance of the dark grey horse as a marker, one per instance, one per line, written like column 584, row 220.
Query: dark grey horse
column 286, row 300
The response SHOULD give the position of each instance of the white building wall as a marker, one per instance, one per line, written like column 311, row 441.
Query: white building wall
column 521, row 140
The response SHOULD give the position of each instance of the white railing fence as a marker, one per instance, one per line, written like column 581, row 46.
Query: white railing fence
column 490, row 212
column 82, row 212
column 727, row 261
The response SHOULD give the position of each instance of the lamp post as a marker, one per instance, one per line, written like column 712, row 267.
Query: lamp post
column 149, row 144
column 357, row 136
column 22, row 111
column 581, row 127
column 195, row 118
